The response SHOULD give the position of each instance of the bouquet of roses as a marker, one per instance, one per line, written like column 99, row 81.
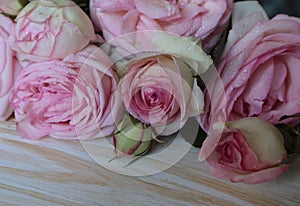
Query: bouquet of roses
column 137, row 71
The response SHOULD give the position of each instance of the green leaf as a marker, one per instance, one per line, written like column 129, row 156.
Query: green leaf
column 193, row 133
column 296, row 115
column 291, row 137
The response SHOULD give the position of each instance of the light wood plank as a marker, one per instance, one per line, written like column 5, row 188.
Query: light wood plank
column 55, row 172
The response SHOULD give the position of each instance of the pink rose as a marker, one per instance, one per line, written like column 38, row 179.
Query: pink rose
column 204, row 19
column 69, row 99
column 157, row 83
column 51, row 29
column 160, row 91
column 12, row 7
column 250, row 150
column 259, row 70
column 9, row 68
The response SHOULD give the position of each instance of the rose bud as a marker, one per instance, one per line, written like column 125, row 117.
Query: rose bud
column 12, row 7
column 249, row 150
column 132, row 138
column 51, row 29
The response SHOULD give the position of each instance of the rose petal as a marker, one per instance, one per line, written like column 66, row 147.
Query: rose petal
column 155, row 9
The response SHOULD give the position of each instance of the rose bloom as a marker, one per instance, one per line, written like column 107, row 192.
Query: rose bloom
column 11, row 7
column 202, row 19
column 160, row 91
column 250, row 150
column 259, row 70
column 51, row 29
column 68, row 99
column 9, row 68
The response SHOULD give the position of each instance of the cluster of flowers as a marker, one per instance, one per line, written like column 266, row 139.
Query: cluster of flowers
column 131, row 69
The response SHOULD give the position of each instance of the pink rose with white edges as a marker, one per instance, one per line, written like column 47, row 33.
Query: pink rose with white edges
column 51, row 29
column 69, row 99
column 160, row 91
column 249, row 150
column 9, row 68
column 259, row 69
column 157, row 83
column 201, row 19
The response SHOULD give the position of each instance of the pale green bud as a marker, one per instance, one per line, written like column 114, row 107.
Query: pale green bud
column 132, row 138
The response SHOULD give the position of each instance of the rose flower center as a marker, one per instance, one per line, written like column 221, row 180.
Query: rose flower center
column 151, row 96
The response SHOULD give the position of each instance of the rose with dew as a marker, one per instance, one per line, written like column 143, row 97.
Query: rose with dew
column 259, row 69
column 9, row 68
column 12, row 7
column 157, row 93
column 157, row 85
column 160, row 91
column 51, row 29
column 204, row 19
column 68, row 99
column 250, row 150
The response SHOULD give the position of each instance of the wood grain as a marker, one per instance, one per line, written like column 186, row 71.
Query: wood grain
column 55, row 172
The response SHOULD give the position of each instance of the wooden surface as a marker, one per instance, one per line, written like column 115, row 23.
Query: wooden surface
column 53, row 172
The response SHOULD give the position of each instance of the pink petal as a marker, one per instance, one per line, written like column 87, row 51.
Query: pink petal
column 113, row 5
column 147, row 23
column 115, row 19
column 155, row 9
column 215, row 10
column 130, row 20
column 258, row 87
